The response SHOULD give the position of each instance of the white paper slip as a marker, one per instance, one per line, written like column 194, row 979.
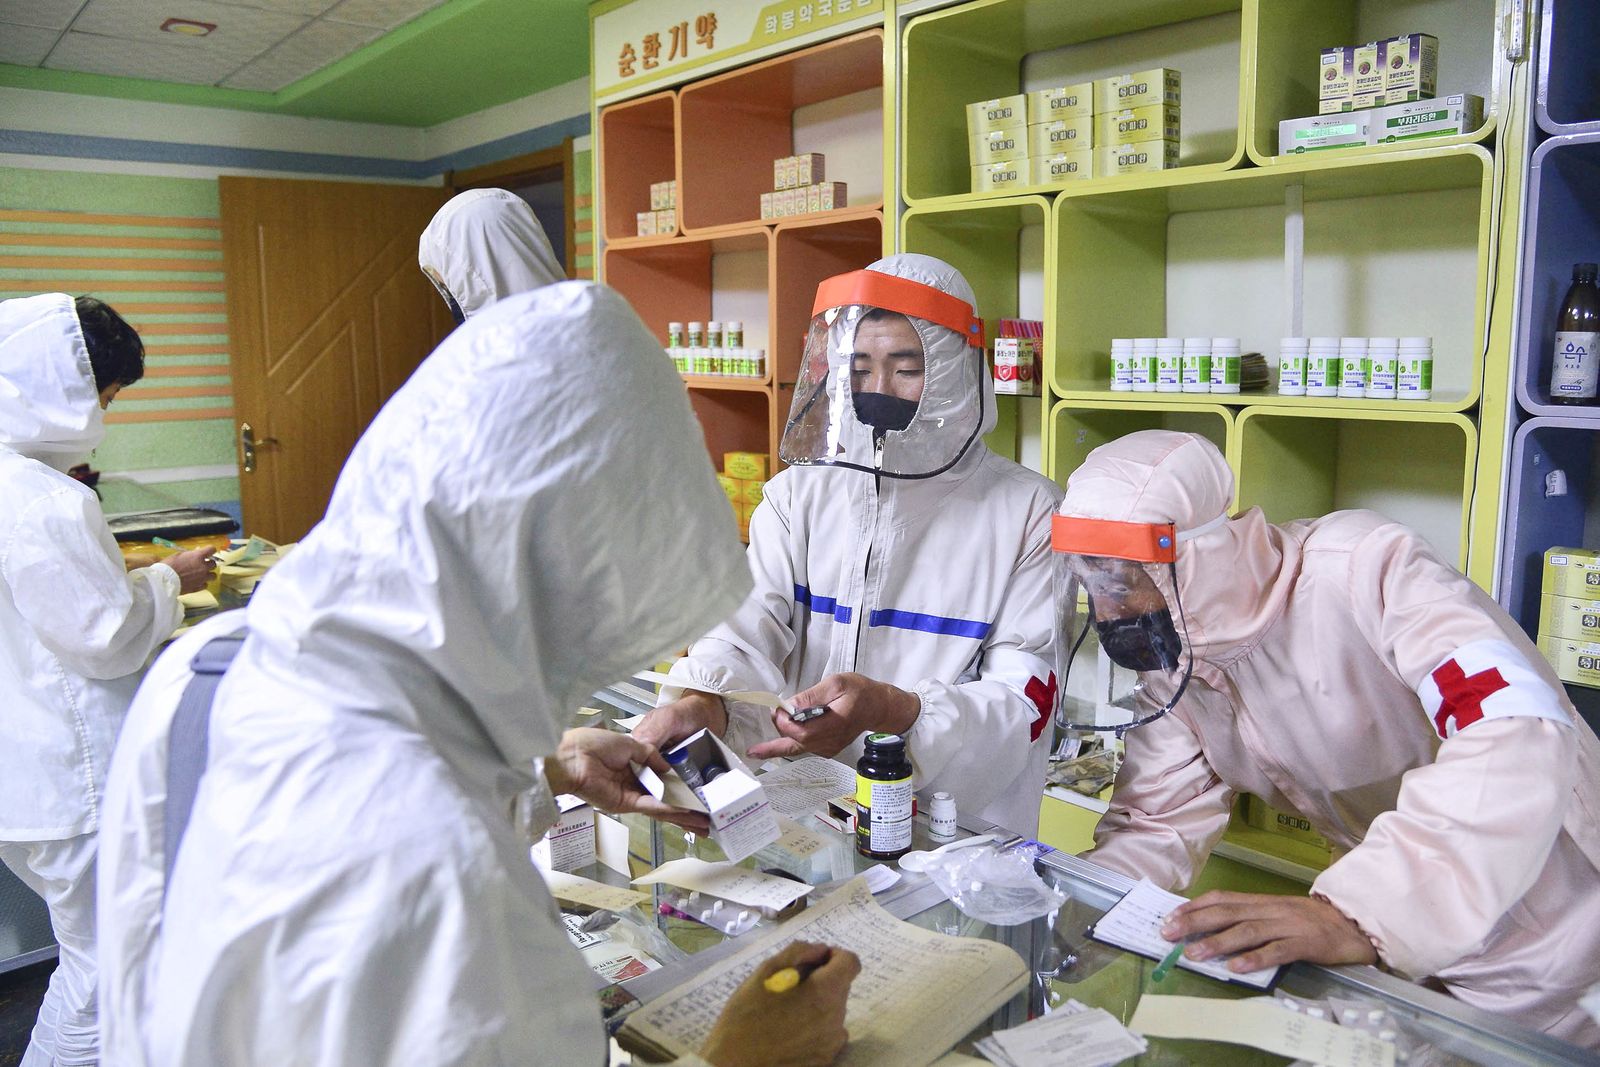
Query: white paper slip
column 797, row 841
column 880, row 877
column 1071, row 1036
column 1260, row 1023
column 1134, row 923
column 738, row 884
column 576, row 889
column 611, row 843
column 746, row 696
column 806, row 785
column 629, row 723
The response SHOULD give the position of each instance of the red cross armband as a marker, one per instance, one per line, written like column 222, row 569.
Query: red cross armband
column 1487, row 680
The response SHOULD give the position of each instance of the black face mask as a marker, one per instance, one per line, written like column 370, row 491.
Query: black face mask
column 884, row 412
column 1145, row 642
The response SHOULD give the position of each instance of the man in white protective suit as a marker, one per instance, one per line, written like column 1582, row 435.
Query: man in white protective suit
column 76, row 627
column 484, row 245
column 1338, row 669
column 352, row 886
column 902, row 568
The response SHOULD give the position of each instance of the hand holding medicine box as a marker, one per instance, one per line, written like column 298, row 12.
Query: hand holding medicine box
column 742, row 820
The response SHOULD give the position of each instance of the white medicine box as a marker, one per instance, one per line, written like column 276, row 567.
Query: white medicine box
column 570, row 843
column 742, row 820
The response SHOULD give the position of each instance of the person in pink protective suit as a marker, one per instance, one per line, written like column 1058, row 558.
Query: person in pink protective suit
column 1335, row 668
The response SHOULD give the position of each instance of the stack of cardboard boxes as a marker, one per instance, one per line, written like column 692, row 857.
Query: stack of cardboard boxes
column 1125, row 124
column 1380, row 92
column 744, row 479
column 662, row 218
column 798, row 188
column 1569, row 614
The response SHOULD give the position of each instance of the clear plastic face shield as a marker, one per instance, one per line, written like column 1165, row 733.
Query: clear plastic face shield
column 1120, row 581
column 891, row 381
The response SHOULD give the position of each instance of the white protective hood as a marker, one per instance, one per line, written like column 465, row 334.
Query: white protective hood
column 531, row 517
column 486, row 245
column 49, row 407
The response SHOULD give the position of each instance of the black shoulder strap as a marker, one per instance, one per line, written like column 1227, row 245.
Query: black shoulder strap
column 187, row 739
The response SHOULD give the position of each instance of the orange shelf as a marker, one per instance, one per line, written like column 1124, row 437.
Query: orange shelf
column 804, row 253
column 638, row 147
column 731, row 127
column 713, row 381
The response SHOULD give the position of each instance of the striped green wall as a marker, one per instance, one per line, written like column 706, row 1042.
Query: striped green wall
column 150, row 247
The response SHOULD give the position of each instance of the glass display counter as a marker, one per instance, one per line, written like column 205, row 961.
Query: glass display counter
column 1428, row 1028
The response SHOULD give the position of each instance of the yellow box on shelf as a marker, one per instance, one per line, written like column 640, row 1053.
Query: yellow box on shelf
column 1573, row 572
column 1060, row 135
column 1263, row 816
column 1006, row 174
column 745, row 466
column 1570, row 617
column 1066, row 102
column 1574, row 661
column 752, row 492
column 1001, row 113
column 1132, row 125
column 732, row 487
column 1062, row 166
column 1140, row 158
column 996, row 146
column 1158, row 85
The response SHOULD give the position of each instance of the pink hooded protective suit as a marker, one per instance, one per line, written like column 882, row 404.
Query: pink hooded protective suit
column 1344, row 672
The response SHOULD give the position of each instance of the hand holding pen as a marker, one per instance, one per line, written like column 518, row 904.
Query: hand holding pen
column 789, row 1012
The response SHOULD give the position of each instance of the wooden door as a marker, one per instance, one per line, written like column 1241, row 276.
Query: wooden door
column 328, row 314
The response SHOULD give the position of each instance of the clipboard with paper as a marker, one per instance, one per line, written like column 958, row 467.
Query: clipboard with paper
column 1134, row 925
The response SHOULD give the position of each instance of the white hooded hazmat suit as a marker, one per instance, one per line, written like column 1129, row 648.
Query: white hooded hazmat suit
column 76, row 627
column 351, row 888
column 940, row 586
column 484, row 245
column 1342, row 671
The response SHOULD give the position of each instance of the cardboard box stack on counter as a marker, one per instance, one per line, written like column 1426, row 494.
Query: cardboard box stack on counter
column 744, row 478
column 1381, row 92
column 1120, row 125
column 799, row 189
column 1569, row 614
column 662, row 218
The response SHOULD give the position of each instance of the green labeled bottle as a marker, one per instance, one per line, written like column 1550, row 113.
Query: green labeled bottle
column 1575, row 363
column 883, row 798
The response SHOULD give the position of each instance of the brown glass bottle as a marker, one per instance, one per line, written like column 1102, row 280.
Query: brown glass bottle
column 1575, row 362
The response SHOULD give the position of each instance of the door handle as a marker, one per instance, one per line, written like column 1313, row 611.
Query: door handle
column 248, row 445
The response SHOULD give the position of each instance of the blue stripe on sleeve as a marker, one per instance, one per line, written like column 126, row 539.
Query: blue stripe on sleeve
column 933, row 624
column 822, row 605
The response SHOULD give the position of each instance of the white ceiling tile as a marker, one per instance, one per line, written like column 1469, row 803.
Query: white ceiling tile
column 384, row 14
column 242, row 33
column 306, row 52
column 26, row 46
column 49, row 14
column 293, row 7
column 93, row 54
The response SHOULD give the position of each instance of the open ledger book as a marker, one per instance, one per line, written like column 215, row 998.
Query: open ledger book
column 918, row 993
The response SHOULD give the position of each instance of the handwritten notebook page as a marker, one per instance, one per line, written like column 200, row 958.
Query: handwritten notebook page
column 918, row 992
column 1134, row 923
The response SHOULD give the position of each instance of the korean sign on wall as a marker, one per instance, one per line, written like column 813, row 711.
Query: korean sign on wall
column 640, row 42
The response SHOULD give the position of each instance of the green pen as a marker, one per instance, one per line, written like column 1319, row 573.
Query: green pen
column 163, row 542
column 1165, row 966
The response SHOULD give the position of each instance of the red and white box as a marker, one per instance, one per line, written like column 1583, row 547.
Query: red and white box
column 1016, row 366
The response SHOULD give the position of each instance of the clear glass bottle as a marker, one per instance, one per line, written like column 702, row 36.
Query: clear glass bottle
column 1574, row 373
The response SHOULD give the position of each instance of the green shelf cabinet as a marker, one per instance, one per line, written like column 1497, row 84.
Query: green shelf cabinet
column 987, row 242
column 1203, row 254
column 1414, row 468
column 1076, row 428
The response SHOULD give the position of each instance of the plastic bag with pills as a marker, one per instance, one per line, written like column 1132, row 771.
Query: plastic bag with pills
column 996, row 885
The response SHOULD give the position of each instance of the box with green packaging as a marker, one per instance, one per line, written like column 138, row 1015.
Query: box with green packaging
column 1060, row 135
column 1574, row 661
column 1067, row 102
column 1001, row 113
column 1318, row 133
column 1574, row 618
column 1006, row 174
column 996, row 145
column 1445, row 117
column 1063, row 167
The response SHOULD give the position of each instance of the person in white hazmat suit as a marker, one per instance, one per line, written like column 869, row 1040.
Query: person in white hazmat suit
column 353, row 887
column 76, row 628
column 484, row 245
column 1338, row 669
column 902, row 568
